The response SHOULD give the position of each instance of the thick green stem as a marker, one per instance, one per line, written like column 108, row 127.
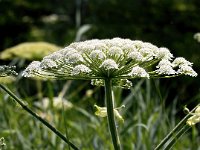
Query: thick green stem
column 24, row 106
column 110, row 114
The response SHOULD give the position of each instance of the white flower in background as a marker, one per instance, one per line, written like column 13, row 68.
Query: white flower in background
column 120, row 59
column 197, row 37
column 7, row 71
column 57, row 102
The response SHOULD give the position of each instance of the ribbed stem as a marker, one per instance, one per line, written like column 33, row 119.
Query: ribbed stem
column 110, row 114
column 24, row 106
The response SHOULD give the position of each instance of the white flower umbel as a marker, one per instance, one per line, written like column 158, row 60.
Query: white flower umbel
column 114, row 58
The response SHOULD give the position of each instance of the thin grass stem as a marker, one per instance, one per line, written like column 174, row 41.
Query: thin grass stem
column 44, row 122
column 172, row 133
column 177, row 137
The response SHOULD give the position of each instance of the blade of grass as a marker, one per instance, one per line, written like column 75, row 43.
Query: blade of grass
column 177, row 127
column 24, row 106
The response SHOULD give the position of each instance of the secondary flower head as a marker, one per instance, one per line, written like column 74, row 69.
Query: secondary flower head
column 29, row 51
column 7, row 71
column 119, row 59
column 195, row 118
column 102, row 112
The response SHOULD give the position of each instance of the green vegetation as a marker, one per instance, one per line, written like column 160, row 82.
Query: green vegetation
column 147, row 120
column 153, row 107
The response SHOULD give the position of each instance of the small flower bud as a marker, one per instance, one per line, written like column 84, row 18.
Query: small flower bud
column 102, row 112
column 195, row 118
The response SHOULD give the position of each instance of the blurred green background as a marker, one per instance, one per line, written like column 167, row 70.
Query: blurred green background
column 165, row 23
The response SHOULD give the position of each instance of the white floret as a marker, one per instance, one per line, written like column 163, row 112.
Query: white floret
column 181, row 61
column 48, row 63
column 80, row 69
column 147, row 53
column 68, row 51
column 186, row 70
column 164, row 53
column 136, row 56
column 54, row 56
column 74, row 58
column 166, row 69
column 115, row 51
column 85, row 47
column 109, row 64
column 97, row 54
column 128, row 47
column 164, row 62
column 139, row 72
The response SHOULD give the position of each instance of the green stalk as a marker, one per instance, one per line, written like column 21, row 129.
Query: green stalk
column 24, row 106
column 173, row 132
column 177, row 137
column 110, row 114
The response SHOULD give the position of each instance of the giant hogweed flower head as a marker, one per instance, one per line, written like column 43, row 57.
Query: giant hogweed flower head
column 119, row 59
